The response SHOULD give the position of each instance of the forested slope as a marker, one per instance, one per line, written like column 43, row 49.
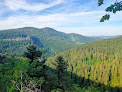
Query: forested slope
column 82, row 39
column 91, row 67
column 15, row 41
column 97, row 63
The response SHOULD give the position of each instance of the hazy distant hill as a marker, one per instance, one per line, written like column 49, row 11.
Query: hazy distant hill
column 14, row 41
column 96, row 62
column 82, row 39
column 106, row 37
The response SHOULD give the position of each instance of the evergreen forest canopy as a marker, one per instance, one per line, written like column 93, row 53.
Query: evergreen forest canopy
column 15, row 41
column 90, row 67
column 96, row 64
column 45, row 60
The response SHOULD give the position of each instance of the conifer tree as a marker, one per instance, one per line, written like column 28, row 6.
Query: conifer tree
column 61, row 67
column 37, row 68
column 32, row 53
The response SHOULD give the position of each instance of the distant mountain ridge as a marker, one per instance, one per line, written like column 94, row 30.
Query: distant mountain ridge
column 14, row 41
column 46, row 32
column 106, row 37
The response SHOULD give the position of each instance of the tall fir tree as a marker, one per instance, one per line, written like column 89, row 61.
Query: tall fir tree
column 32, row 53
column 62, row 79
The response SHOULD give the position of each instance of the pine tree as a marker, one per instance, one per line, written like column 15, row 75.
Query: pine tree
column 37, row 68
column 61, row 67
column 32, row 53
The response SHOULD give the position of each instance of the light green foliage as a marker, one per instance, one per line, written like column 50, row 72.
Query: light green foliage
column 97, row 63
column 57, row 90
column 15, row 75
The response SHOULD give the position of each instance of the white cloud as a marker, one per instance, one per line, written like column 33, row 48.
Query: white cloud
column 68, row 20
column 23, row 4
column 26, row 20
column 94, row 30
column 49, row 20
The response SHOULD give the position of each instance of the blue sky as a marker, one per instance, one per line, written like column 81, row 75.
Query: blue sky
column 69, row 16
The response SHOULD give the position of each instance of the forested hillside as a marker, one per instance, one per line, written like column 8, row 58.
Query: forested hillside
column 97, row 65
column 82, row 39
column 90, row 67
column 15, row 41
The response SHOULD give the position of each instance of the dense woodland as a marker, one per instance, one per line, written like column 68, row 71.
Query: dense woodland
column 45, row 60
column 15, row 41
column 97, row 64
column 90, row 67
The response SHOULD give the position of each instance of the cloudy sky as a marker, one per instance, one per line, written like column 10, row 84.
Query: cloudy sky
column 69, row 16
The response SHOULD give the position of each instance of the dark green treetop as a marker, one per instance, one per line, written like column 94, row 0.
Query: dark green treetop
column 32, row 53
column 61, row 67
column 36, row 67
